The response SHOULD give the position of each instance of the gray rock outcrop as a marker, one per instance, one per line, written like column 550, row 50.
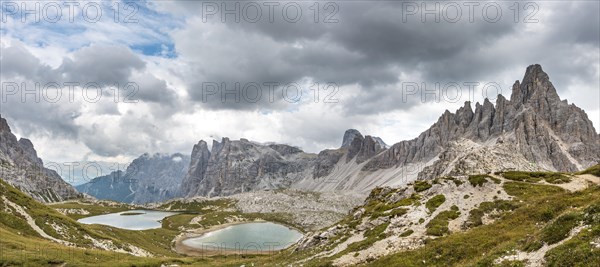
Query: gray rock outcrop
column 22, row 168
column 349, row 136
column 239, row 166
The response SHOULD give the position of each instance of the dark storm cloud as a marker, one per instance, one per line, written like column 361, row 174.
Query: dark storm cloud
column 370, row 45
column 100, row 65
column 42, row 118
column 142, row 136
column 370, row 52
column 16, row 60
column 54, row 112
column 104, row 64
column 152, row 89
column 373, row 43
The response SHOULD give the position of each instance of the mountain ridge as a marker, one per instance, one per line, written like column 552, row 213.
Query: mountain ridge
column 149, row 178
column 22, row 168
column 535, row 130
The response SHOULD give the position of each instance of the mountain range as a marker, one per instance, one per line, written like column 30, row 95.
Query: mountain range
column 534, row 130
column 149, row 178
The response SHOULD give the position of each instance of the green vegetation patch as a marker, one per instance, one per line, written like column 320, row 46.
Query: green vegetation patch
column 456, row 181
column 479, row 179
column 528, row 191
column 495, row 180
column 534, row 177
column 594, row 170
column 582, row 249
column 50, row 221
column 376, row 208
column 421, row 186
column 371, row 236
column 553, row 232
column 438, row 226
column 559, row 229
column 200, row 205
column 407, row 233
column 481, row 246
column 433, row 203
column 398, row 212
column 92, row 209
column 179, row 221
column 476, row 215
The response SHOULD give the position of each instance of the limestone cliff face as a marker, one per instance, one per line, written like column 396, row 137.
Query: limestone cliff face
column 149, row 178
column 239, row 166
column 21, row 167
column 545, row 130
column 197, row 169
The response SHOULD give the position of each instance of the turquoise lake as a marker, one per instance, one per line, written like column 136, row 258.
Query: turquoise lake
column 260, row 236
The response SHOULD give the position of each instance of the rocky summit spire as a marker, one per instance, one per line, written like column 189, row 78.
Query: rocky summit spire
column 535, row 86
column 4, row 125
column 349, row 135
column 197, row 169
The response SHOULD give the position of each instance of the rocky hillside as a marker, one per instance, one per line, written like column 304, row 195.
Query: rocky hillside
column 503, row 219
column 24, row 219
column 147, row 179
column 21, row 167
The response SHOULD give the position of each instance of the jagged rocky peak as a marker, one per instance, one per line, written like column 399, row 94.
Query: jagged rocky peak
column 4, row 125
column 349, row 136
column 29, row 151
column 238, row 166
column 197, row 168
column 365, row 147
column 535, row 87
column 533, row 128
column 200, row 148
column 534, row 124
column 21, row 167
column 380, row 141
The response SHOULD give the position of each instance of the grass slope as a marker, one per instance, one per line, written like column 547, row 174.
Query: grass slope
column 556, row 210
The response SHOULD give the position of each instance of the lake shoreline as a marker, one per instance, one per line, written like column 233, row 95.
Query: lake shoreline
column 184, row 249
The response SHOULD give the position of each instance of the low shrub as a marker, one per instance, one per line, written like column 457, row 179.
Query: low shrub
column 433, row 203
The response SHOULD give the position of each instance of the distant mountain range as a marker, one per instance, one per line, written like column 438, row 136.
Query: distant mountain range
column 534, row 130
column 149, row 178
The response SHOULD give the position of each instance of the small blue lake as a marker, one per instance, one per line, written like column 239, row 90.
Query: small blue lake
column 259, row 236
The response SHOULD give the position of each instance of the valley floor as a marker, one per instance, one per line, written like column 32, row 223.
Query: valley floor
column 500, row 219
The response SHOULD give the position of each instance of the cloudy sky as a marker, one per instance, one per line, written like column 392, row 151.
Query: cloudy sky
column 115, row 80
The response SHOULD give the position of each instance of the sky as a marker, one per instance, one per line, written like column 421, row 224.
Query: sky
column 111, row 80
